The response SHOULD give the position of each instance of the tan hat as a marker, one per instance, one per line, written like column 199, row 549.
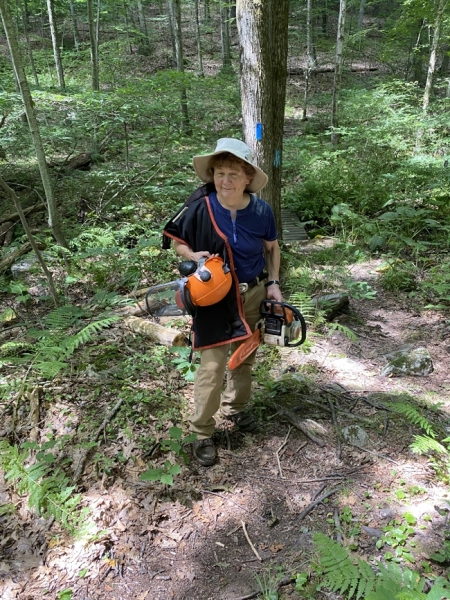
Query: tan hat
column 237, row 148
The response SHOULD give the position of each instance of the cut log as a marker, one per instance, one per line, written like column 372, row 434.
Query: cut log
column 26, row 211
column 158, row 333
column 13, row 256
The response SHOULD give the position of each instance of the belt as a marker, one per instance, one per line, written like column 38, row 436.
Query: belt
column 244, row 287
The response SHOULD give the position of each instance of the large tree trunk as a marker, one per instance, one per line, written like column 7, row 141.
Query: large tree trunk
column 53, row 219
column 55, row 44
column 434, row 47
column 263, row 37
column 94, row 47
column 338, row 69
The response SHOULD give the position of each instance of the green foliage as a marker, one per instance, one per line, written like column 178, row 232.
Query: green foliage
column 56, row 345
column 34, row 471
column 168, row 470
column 356, row 579
column 183, row 362
column 397, row 534
column 412, row 415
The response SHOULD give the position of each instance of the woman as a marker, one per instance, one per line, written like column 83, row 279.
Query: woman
column 226, row 218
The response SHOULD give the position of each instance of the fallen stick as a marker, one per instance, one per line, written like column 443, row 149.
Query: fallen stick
column 336, row 429
column 255, row 551
column 100, row 430
column 283, row 445
column 297, row 424
column 309, row 508
column 375, row 454
column 26, row 211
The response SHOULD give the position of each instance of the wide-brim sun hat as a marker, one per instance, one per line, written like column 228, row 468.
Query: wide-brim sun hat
column 238, row 149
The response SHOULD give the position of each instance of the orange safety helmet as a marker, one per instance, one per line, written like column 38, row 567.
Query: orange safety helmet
column 209, row 284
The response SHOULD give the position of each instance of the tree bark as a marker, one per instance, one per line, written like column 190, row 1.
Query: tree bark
column 434, row 47
column 163, row 335
column 175, row 14
column 76, row 33
column 225, row 36
column 198, row 39
column 263, row 37
column 53, row 219
column 94, row 47
column 338, row 69
column 55, row 44
column 28, row 42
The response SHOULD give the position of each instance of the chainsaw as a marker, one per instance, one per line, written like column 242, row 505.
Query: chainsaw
column 281, row 324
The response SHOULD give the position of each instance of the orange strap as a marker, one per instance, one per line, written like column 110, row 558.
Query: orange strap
column 244, row 350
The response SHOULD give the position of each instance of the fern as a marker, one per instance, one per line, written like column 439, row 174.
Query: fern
column 412, row 415
column 423, row 444
column 356, row 579
column 341, row 574
column 48, row 488
column 351, row 335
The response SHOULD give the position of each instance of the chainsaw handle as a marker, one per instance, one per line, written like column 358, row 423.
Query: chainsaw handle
column 301, row 318
column 269, row 308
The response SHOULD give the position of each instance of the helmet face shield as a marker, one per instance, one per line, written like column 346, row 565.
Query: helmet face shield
column 207, row 285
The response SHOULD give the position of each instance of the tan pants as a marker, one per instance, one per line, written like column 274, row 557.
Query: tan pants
column 209, row 377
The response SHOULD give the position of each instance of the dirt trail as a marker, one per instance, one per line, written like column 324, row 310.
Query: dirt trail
column 217, row 530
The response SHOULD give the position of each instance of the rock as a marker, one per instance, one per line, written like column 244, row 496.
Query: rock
column 355, row 436
column 416, row 362
column 331, row 304
column 20, row 269
column 372, row 531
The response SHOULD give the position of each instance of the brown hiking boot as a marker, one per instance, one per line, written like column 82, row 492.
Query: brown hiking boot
column 204, row 452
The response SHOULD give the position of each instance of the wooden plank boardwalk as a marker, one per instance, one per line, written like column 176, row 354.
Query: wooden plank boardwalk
column 293, row 230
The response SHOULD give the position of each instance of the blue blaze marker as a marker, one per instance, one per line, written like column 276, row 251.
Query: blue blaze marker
column 259, row 131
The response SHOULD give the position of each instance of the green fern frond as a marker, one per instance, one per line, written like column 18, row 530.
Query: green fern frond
column 64, row 317
column 304, row 304
column 409, row 595
column 412, row 415
column 351, row 335
column 423, row 445
column 86, row 334
column 340, row 573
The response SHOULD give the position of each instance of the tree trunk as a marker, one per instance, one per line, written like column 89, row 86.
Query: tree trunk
column 199, row 39
column 310, row 47
column 225, row 36
column 55, row 44
column 175, row 13
column 53, row 219
column 434, row 46
column 145, row 41
column 29, row 49
column 263, row 39
column 338, row 69
column 362, row 6
column 94, row 47
column 76, row 33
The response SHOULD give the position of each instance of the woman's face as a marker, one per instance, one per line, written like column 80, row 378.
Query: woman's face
column 230, row 181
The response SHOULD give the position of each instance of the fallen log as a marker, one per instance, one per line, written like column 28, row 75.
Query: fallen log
column 26, row 211
column 163, row 335
column 11, row 258
column 318, row 70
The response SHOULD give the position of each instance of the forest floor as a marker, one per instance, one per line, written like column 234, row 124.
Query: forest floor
column 236, row 529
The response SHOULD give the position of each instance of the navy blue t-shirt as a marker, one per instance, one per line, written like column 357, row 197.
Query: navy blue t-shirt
column 246, row 233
